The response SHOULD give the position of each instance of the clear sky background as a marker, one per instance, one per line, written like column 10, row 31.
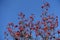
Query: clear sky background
column 9, row 10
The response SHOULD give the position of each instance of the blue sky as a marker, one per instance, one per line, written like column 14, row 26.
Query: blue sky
column 9, row 10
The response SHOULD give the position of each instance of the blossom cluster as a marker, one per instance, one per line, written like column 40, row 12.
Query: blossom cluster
column 27, row 29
